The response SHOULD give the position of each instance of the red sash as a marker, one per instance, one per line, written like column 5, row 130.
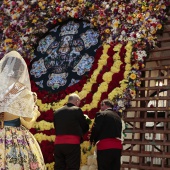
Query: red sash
column 109, row 143
column 67, row 139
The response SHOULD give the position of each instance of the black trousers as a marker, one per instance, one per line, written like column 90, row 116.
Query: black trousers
column 67, row 157
column 109, row 159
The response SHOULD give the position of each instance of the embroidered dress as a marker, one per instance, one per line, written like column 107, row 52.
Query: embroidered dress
column 18, row 148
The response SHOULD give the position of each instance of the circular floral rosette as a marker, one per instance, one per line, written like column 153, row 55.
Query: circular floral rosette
column 64, row 55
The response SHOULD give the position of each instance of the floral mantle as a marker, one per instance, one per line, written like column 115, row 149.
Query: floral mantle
column 128, row 31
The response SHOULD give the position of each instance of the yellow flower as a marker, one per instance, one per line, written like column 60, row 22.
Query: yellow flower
column 117, row 64
column 43, row 125
column 116, row 24
column 127, row 58
column 133, row 76
column 107, row 31
column 116, row 56
column 126, row 74
column 105, row 48
column 103, row 87
column 96, row 72
column 128, row 67
column 117, row 47
column 144, row 8
column 94, row 103
column 85, row 107
column 163, row 6
column 87, row 87
column 136, row 66
column 129, row 44
column 34, row 21
column 50, row 166
column 102, row 62
column 40, row 4
column 138, row 83
column 96, row 96
column 114, row 69
column 159, row 26
column 14, row 16
column 147, row 14
column 107, row 77
column 8, row 40
column 40, row 137
column 83, row 94
column 124, row 85
column 43, row 7
column 59, row 20
column 143, row 65
column 95, row 24
column 104, row 57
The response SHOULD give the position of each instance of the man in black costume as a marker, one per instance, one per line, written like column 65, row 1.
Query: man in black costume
column 70, row 125
column 106, row 134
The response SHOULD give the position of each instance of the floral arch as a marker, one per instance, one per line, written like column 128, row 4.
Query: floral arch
column 127, row 30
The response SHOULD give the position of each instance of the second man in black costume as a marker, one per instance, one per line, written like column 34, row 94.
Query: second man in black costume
column 106, row 134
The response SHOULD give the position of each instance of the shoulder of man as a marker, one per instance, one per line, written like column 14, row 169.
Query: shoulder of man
column 59, row 109
column 100, row 113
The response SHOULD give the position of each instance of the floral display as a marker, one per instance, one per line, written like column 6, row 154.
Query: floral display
column 123, row 20
column 127, row 30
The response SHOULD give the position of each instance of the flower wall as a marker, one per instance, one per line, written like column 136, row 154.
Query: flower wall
column 128, row 31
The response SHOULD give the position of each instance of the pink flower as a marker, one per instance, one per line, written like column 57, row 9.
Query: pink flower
column 34, row 165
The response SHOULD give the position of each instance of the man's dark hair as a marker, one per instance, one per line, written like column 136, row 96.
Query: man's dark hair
column 107, row 102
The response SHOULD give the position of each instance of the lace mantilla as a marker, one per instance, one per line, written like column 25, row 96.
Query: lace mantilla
column 18, row 100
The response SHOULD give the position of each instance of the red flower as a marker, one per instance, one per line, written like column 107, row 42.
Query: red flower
column 33, row 131
column 88, row 98
column 93, row 112
column 94, row 87
column 47, row 149
column 54, row 21
column 76, row 15
column 104, row 96
column 99, row 78
column 47, row 116
column 110, row 52
column 86, row 136
column 122, row 51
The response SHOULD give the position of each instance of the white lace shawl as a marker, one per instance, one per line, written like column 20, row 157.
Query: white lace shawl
column 18, row 100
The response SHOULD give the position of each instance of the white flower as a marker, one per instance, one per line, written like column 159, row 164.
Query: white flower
column 121, row 103
column 141, row 54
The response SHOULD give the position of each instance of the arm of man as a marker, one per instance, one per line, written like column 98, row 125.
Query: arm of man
column 83, row 123
column 96, row 128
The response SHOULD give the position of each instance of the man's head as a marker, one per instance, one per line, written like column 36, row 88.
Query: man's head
column 74, row 99
column 105, row 104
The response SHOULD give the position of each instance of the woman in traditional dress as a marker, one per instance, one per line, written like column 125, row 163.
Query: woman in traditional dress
column 19, row 150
